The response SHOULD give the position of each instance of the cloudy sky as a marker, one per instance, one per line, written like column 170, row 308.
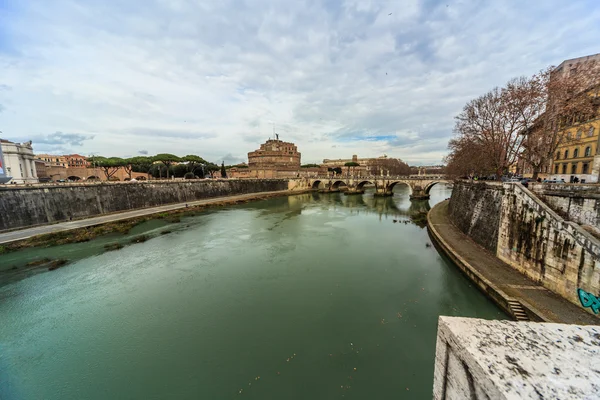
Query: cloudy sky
column 212, row 77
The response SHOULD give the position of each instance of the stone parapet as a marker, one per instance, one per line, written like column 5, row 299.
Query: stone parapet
column 479, row 359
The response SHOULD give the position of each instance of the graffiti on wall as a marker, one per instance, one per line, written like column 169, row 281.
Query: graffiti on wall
column 589, row 300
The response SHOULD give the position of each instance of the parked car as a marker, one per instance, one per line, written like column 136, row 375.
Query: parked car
column 553, row 181
column 525, row 181
column 513, row 180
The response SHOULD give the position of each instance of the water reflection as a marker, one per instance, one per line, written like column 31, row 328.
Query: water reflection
column 276, row 211
column 384, row 207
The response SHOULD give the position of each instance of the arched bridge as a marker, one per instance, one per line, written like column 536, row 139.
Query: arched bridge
column 420, row 185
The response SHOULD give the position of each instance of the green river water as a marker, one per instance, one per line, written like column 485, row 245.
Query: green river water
column 313, row 296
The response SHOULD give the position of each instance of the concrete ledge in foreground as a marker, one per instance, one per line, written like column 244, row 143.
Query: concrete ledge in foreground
column 479, row 359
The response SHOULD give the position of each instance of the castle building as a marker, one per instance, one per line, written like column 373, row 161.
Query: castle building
column 274, row 159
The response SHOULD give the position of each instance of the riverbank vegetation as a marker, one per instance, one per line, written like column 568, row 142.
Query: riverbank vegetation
column 159, row 166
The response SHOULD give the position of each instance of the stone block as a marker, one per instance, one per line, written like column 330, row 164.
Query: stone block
column 479, row 359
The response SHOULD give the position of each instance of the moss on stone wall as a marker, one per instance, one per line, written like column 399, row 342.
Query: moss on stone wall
column 475, row 209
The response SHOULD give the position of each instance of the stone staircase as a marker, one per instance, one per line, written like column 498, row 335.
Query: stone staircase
column 517, row 310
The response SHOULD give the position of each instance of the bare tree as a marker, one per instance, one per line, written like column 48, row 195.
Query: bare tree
column 393, row 166
column 493, row 123
column 557, row 99
column 467, row 159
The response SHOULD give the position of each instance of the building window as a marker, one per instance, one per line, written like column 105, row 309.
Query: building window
column 556, row 169
column 21, row 168
column 564, row 169
column 558, row 155
column 567, row 153
column 576, row 153
column 588, row 151
column 573, row 168
column 569, row 135
column 585, row 168
column 591, row 131
column 579, row 133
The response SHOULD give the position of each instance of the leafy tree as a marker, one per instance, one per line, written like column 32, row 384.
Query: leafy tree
column 353, row 165
column 137, row 164
column 310, row 166
column 337, row 170
column 211, row 169
column 194, row 163
column 167, row 159
column 189, row 175
column 179, row 170
column 158, row 170
column 223, row 171
column 109, row 166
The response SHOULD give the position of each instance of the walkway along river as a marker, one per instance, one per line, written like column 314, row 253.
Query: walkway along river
column 318, row 296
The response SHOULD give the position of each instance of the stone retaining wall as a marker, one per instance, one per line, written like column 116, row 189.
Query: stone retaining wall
column 577, row 203
column 528, row 235
column 22, row 206
column 539, row 243
column 475, row 210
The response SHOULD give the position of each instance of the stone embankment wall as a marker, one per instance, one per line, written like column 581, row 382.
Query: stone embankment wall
column 542, row 245
column 21, row 207
column 475, row 210
column 577, row 203
column 532, row 238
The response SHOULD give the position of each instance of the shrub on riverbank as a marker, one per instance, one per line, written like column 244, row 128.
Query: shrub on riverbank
column 57, row 264
column 140, row 239
column 113, row 246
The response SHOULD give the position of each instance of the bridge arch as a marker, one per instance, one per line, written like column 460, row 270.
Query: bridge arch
column 392, row 184
column 336, row 184
column 429, row 186
column 362, row 184
column 432, row 184
column 92, row 178
column 316, row 184
column 73, row 178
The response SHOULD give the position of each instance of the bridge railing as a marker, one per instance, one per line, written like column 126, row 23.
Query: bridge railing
column 379, row 177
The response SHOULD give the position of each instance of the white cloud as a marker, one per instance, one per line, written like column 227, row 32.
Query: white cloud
column 337, row 78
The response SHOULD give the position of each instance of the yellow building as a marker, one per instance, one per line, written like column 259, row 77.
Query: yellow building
column 53, row 160
column 579, row 156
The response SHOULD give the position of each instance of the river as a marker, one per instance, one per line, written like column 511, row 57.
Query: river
column 313, row 296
